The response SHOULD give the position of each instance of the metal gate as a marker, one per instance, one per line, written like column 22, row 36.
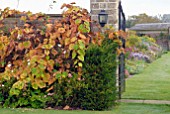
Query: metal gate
column 121, row 76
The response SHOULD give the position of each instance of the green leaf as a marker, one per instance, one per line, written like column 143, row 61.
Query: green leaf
column 34, row 71
column 75, row 62
column 48, row 57
column 3, row 63
column 77, row 21
column 58, row 75
column 81, row 44
column 82, row 28
column 81, row 57
column 88, row 29
column 42, row 67
column 74, row 54
column 27, row 44
column 57, row 64
column 19, row 85
column 81, row 52
column 64, row 74
column 14, row 91
column 76, row 47
column 86, row 23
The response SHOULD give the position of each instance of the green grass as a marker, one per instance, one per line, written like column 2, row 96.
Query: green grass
column 153, row 83
column 124, row 108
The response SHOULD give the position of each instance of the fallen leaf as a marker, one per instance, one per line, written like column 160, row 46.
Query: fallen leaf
column 66, row 107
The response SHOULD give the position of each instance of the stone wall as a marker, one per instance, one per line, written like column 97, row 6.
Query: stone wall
column 10, row 22
column 111, row 8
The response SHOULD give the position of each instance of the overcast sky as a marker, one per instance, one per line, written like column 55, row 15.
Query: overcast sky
column 41, row 5
column 150, row 7
column 131, row 7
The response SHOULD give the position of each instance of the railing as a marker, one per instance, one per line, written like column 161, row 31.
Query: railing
column 121, row 76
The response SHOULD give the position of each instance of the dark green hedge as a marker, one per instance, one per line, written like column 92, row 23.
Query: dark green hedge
column 100, row 77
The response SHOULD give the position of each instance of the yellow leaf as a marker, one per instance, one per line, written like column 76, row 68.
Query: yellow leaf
column 20, row 46
column 73, row 39
column 118, row 41
column 61, row 30
column 23, row 18
column 71, row 46
column 34, row 85
column 68, row 33
column 49, row 27
column 67, row 41
column 52, row 80
column 23, row 75
column 52, row 87
column 82, row 36
column 46, row 78
column 80, row 64
column 45, row 41
column 42, row 62
column 66, row 107
column 40, row 83
column 118, row 51
column 47, row 52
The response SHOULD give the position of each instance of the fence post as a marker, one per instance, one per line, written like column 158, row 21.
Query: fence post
column 121, row 76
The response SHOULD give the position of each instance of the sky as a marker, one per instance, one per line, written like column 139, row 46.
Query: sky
column 150, row 7
column 41, row 5
column 131, row 7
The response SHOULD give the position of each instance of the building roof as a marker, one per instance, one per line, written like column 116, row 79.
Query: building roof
column 166, row 18
column 151, row 27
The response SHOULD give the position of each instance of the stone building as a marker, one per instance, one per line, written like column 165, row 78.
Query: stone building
column 159, row 31
column 152, row 29
column 111, row 8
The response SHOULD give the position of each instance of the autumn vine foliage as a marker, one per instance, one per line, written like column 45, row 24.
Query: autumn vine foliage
column 48, row 52
column 34, row 52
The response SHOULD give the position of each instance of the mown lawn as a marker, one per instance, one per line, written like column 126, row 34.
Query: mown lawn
column 123, row 108
column 153, row 83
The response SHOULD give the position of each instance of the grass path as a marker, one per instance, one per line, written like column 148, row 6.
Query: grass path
column 152, row 84
column 123, row 108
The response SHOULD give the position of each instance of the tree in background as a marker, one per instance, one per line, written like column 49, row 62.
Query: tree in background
column 141, row 18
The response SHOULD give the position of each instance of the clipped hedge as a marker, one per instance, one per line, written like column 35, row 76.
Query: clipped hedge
column 99, row 72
